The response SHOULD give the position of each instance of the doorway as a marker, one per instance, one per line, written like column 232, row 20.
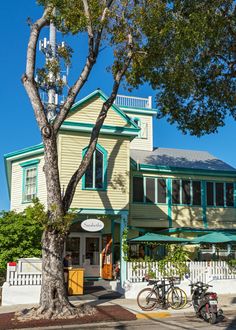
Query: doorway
column 85, row 250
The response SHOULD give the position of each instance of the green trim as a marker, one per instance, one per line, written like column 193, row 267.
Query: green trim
column 138, row 125
column 23, row 151
column 104, row 174
column 145, row 111
column 29, row 163
column 194, row 230
column 203, row 197
column 123, row 264
column 26, row 167
column 169, row 201
column 101, row 211
column 104, row 97
column 183, row 170
column 16, row 156
column 106, row 129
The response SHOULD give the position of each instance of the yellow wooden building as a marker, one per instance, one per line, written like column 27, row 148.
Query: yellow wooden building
column 129, row 183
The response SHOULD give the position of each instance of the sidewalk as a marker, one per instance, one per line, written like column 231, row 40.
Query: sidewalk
column 226, row 302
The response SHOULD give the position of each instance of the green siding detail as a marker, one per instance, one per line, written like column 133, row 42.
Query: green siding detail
column 29, row 163
column 183, row 170
column 104, row 152
column 25, row 150
column 123, row 264
column 169, row 202
column 106, row 129
column 203, row 196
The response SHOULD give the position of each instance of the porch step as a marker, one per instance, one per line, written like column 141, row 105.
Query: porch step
column 96, row 282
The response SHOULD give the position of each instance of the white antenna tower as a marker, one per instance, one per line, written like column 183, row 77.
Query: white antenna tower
column 50, row 85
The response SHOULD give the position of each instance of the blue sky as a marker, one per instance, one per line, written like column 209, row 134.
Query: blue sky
column 19, row 130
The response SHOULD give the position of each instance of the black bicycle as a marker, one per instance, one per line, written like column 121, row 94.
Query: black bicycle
column 162, row 295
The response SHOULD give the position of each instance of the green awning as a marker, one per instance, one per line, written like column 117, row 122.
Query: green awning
column 215, row 238
column 152, row 237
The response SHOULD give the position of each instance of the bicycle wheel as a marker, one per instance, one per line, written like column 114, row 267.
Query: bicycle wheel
column 147, row 299
column 176, row 298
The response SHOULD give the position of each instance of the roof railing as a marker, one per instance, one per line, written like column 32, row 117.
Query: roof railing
column 133, row 102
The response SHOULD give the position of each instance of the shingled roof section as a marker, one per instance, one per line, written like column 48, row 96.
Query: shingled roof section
column 181, row 158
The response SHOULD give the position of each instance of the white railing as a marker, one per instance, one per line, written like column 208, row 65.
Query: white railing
column 133, row 102
column 198, row 271
column 25, row 272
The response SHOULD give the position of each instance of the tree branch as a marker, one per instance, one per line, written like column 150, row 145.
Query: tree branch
column 91, row 60
column 28, row 77
column 76, row 177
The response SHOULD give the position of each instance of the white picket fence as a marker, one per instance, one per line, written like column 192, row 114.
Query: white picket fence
column 136, row 271
column 198, row 271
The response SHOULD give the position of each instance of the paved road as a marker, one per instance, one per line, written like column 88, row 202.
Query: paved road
column 187, row 322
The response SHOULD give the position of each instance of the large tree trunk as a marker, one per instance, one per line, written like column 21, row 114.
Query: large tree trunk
column 53, row 300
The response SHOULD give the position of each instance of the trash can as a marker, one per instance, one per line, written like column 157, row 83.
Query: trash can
column 76, row 281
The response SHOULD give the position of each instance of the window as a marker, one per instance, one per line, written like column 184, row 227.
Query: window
column 186, row 192
column 161, row 191
column 229, row 194
column 29, row 181
column 95, row 175
column 196, row 188
column 150, row 190
column 186, row 196
column 220, row 194
column 210, row 193
column 219, row 188
column 138, row 189
column 176, row 191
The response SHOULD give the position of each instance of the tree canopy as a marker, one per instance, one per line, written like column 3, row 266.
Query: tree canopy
column 20, row 234
column 190, row 61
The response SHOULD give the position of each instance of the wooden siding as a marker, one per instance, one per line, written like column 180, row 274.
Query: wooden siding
column 88, row 113
column 221, row 217
column 17, row 181
column 117, row 194
column 146, row 215
column 140, row 143
column 186, row 216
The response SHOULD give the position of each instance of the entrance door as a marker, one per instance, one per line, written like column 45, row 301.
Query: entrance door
column 85, row 250
column 91, row 255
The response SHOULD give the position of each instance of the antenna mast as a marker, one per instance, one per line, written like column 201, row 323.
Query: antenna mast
column 51, row 82
column 51, row 110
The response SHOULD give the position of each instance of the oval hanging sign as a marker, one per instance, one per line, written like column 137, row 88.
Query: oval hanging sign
column 92, row 225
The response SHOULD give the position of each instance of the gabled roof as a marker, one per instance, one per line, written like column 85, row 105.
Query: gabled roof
column 132, row 130
column 167, row 159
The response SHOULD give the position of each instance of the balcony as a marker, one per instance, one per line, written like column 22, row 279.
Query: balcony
column 133, row 102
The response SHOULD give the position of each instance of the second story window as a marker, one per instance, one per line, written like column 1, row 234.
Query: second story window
column 149, row 190
column 29, row 181
column 186, row 192
column 220, row 194
column 95, row 176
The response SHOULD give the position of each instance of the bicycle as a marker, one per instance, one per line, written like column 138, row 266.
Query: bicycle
column 162, row 294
